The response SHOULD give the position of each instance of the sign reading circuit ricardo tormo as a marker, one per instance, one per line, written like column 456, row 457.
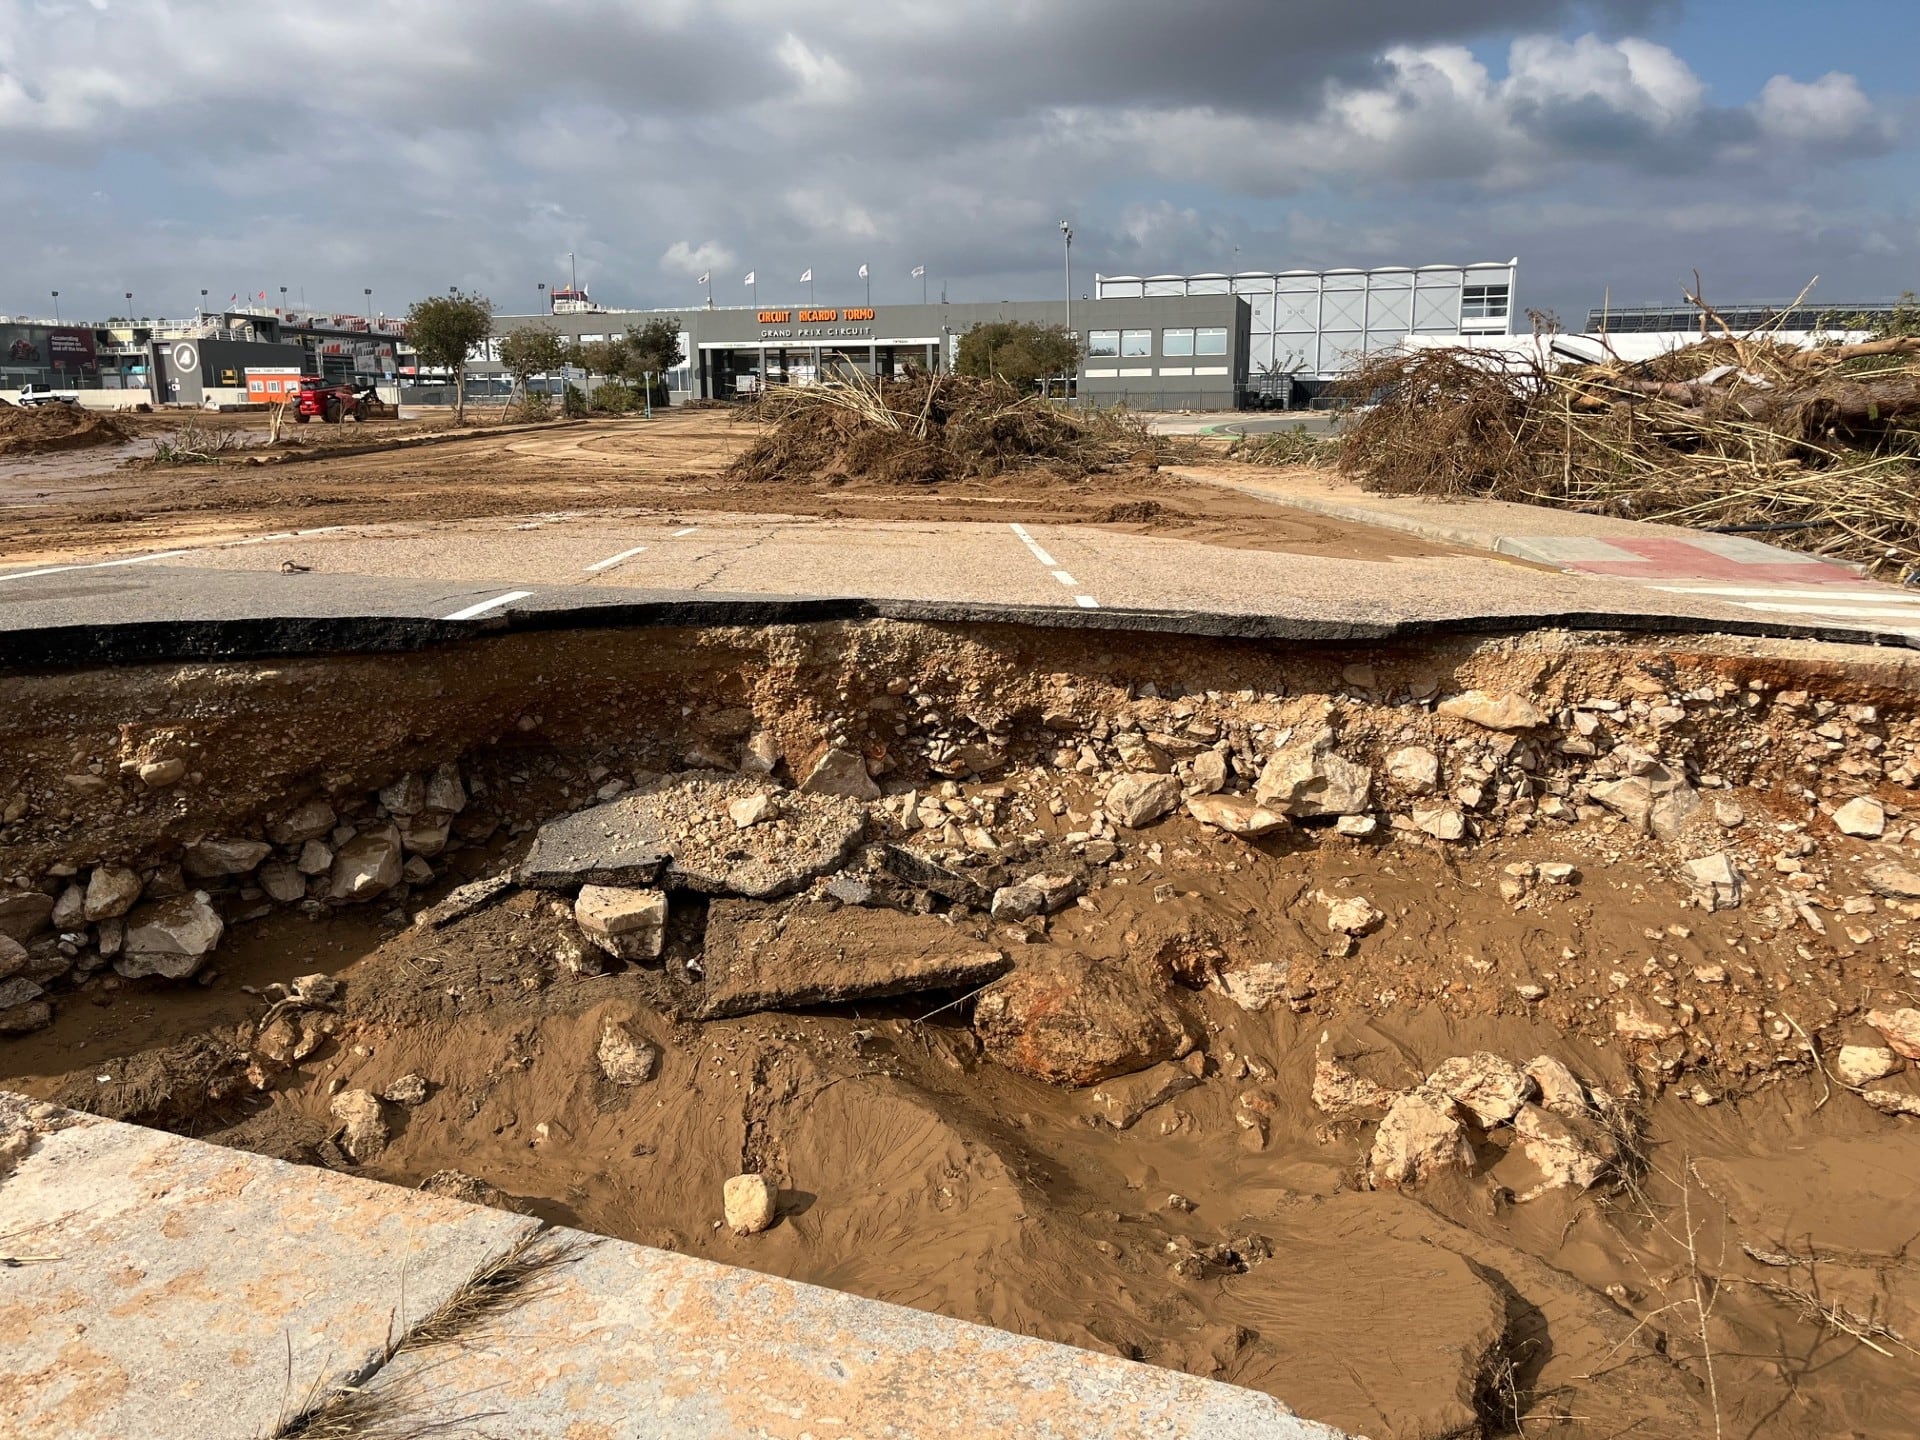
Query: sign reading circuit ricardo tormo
column 822, row 320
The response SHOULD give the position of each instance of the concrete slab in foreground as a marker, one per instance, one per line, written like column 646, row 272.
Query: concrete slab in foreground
column 164, row 1287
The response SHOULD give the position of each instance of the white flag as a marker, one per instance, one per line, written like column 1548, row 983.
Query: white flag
column 749, row 279
column 806, row 275
column 919, row 271
column 863, row 272
column 705, row 276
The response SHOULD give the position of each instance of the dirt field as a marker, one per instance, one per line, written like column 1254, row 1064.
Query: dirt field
column 671, row 465
column 1456, row 1101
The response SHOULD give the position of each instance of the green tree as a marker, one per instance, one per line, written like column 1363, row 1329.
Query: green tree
column 445, row 331
column 654, row 348
column 1021, row 354
column 533, row 350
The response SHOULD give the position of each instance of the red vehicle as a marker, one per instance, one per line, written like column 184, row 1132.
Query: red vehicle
column 330, row 402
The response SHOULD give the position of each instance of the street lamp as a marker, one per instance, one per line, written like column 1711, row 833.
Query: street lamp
column 203, row 303
column 129, row 295
column 283, row 299
column 56, row 307
column 543, row 294
column 368, row 292
column 1066, row 237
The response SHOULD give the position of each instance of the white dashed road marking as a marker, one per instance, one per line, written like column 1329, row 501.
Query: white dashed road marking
column 1085, row 602
column 472, row 611
column 96, row 565
column 688, row 531
column 613, row 560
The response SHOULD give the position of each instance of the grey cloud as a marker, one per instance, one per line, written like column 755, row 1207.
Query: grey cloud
column 476, row 143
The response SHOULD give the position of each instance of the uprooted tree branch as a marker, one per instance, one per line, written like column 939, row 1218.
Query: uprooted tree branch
column 1737, row 432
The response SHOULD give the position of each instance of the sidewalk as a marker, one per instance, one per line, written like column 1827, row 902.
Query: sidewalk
column 1732, row 569
column 176, row 1290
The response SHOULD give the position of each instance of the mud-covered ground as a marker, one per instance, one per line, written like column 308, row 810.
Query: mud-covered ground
column 1225, row 1196
column 670, row 466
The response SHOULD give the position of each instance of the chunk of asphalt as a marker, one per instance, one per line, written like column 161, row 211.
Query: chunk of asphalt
column 924, row 874
column 675, row 832
column 463, row 900
column 758, row 958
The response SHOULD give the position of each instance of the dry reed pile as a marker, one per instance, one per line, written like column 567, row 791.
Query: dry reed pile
column 1818, row 447
column 929, row 428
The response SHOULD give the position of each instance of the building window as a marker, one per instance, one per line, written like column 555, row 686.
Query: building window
column 1136, row 342
column 1210, row 340
column 1483, row 302
column 1103, row 342
column 1176, row 342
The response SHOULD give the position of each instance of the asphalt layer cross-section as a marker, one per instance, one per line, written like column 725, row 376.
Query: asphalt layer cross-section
column 400, row 587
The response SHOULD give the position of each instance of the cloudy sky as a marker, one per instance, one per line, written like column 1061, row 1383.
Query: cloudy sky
column 163, row 146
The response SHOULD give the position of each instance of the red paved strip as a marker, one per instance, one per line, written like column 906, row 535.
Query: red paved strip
column 1679, row 560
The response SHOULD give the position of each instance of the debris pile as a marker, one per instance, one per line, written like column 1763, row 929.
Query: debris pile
column 44, row 429
column 925, row 429
column 1737, row 432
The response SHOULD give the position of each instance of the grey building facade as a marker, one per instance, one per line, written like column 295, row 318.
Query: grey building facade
column 1187, row 352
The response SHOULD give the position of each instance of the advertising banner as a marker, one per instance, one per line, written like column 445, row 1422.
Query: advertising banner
column 72, row 351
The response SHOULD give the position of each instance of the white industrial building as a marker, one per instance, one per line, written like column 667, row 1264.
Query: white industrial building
column 1312, row 324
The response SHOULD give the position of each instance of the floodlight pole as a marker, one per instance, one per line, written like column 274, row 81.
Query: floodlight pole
column 1066, row 237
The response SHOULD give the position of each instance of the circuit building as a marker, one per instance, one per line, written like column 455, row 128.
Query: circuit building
column 1162, row 342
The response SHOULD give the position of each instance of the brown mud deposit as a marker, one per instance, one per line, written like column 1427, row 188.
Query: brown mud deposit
column 671, row 466
column 45, row 429
column 1472, row 910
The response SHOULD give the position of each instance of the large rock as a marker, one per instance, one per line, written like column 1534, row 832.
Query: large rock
column 750, row 1203
column 310, row 820
column 675, row 832
column 1421, row 1136
column 1352, row 915
column 1559, row 1088
column 26, row 1017
column 1865, row 817
column 112, row 890
column 1902, row 1029
column 624, row 1058
column 283, row 884
column 1306, row 780
column 1656, row 802
column 14, row 957
column 1121, row 1102
column 779, row 957
column 1717, row 878
column 1493, row 712
column 843, row 773
column 444, row 792
column 70, row 908
column 1071, row 1020
column 1488, row 1088
column 367, row 866
column 1896, row 882
column 627, row 924
column 216, row 859
column 1235, row 814
column 1136, row 801
column 170, row 938
column 1569, row 1151
column 1255, row 987
column 1858, row 1065
column 1342, row 1093
column 24, row 913
column 364, row 1132
column 1415, row 769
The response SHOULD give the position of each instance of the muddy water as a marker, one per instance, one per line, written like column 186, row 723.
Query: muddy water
column 1746, row 1269
column 914, row 1169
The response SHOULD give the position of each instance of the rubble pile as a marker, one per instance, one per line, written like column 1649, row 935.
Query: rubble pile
column 946, row 797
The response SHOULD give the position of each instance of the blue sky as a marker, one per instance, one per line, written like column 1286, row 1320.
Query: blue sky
column 161, row 146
